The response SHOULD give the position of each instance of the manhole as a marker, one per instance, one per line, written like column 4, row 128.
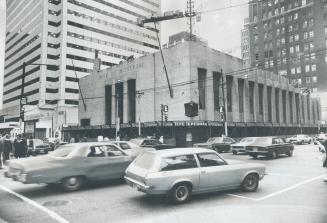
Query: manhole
column 56, row 203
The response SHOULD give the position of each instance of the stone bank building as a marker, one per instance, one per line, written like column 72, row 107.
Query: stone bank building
column 257, row 102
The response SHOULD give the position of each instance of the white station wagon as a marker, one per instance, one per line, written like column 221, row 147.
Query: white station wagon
column 183, row 171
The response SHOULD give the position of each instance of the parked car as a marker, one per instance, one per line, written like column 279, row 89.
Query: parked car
column 184, row 171
column 37, row 146
column 71, row 165
column 300, row 139
column 219, row 144
column 270, row 147
column 152, row 143
column 321, row 138
column 240, row 147
column 131, row 148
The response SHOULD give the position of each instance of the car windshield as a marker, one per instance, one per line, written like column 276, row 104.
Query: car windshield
column 215, row 139
column 263, row 140
column 62, row 151
column 145, row 161
column 248, row 139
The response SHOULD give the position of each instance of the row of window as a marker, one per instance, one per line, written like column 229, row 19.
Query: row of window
column 112, row 25
column 107, row 43
column 22, row 47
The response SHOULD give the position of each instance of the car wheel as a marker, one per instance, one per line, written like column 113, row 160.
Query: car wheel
column 290, row 153
column 180, row 193
column 250, row 183
column 72, row 183
column 274, row 155
column 234, row 152
column 254, row 156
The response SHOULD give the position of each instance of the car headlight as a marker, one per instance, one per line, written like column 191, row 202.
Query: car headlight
column 22, row 177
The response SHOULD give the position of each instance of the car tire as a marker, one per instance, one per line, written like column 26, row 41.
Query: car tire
column 250, row 183
column 290, row 152
column 180, row 193
column 254, row 156
column 234, row 152
column 274, row 155
column 72, row 183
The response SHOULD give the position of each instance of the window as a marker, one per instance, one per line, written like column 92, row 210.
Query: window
column 311, row 34
column 178, row 163
column 124, row 146
column 313, row 67
column 96, row 151
column 298, row 70
column 210, row 159
column 314, row 79
column 293, row 71
column 296, row 37
column 299, row 81
column 307, row 68
column 113, row 151
column 308, row 80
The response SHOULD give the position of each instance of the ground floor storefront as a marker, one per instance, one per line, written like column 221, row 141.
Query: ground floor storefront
column 186, row 133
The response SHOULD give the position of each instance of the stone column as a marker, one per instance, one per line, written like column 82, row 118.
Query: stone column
column 125, row 103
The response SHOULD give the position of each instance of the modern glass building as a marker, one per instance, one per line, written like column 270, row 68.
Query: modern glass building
column 288, row 37
column 67, row 35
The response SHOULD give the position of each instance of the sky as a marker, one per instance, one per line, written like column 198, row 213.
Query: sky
column 221, row 28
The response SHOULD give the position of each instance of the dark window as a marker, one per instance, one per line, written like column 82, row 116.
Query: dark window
column 55, row 46
column 21, row 58
column 25, row 85
column 51, row 102
column 108, row 103
column 53, row 79
column 178, row 163
column 202, row 80
column 53, row 67
column 229, row 86
column 55, row 24
column 80, row 69
column 251, row 97
column 96, row 151
column 71, row 102
column 72, row 79
column 15, row 43
column 241, row 95
column 210, row 159
column 269, row 90
column 50, row 90
column 18, row 97
column 21, row 67
column 71, row 90
column 284, row 106
column 216, row 88
column 85, row 122
column 120, row 100
column 277, row 104
column 53, row 57
column 260, row 99
column 113, row 151
column 131, row 100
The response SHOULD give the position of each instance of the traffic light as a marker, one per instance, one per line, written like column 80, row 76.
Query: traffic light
column 191, row 109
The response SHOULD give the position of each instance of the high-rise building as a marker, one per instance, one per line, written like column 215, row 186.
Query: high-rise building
column 288, row 37
column 68, row 36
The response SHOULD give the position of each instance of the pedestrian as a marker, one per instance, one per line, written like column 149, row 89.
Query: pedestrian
column 72, row 140
column 324, row 159
column 7, row 148
column 1, row 152
column 20, row 147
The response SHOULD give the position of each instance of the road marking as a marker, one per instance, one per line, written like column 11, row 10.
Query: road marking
column 243, row 197
column 278, row 192
column 290, row 188
column 31, row 202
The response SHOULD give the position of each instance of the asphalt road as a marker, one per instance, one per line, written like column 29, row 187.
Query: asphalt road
column 293, row 191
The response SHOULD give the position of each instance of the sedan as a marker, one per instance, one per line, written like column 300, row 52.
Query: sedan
column 219, row 144
column 131, row 148
column 270, row 147
column 300, row 139
column 153, row 143
column 184, row 171
column 72, row 165
column 240, row 147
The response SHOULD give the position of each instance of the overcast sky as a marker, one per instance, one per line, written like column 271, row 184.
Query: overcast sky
column 221, row 28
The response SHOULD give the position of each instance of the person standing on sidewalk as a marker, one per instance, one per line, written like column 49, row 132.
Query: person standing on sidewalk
column 1, row 152
column 7, row 148
column 20, row 147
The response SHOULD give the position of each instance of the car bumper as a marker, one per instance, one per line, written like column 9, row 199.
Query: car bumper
column 241, row 150
column 39, row 151
column 17, row 177
column 142, row 187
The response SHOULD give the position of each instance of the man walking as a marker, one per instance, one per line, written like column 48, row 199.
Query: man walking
column 20, row 147
column 7, row 148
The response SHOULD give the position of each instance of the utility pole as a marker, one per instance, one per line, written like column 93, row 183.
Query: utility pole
column 190, row 14
column 224, row 104
column 139, row 95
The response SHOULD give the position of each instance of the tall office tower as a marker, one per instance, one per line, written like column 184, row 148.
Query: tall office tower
column 68, row 36
column 245, row 44
column 288, row 37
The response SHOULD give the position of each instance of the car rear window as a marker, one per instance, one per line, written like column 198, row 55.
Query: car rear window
column 145, row 161
column 178, row 163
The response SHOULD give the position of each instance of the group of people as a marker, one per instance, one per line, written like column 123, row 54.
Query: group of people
column 18, row 148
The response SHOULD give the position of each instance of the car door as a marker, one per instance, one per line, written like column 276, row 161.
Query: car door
column 215, row 173
column 117, row 163
column 95, row 162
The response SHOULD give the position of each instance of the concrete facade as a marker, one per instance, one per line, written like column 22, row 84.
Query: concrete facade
column 249, row 91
